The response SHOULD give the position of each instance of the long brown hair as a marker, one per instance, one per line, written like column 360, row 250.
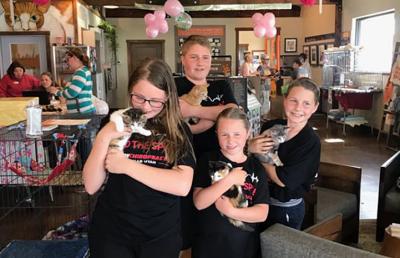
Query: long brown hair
column 169, row 120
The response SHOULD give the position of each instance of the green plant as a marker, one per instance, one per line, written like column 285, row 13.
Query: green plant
column 111, row 35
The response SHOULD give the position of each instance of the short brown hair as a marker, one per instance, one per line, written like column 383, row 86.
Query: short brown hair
column 195, row 40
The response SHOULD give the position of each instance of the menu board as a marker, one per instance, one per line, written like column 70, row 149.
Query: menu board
column 214, row 33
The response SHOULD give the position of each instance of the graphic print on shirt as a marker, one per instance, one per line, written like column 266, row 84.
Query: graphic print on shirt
column 140, row 149
column 217, row 171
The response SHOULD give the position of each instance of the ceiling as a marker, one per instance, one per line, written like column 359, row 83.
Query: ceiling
column 204, row 8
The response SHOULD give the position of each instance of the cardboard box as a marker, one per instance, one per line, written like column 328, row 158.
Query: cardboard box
column 12, row 110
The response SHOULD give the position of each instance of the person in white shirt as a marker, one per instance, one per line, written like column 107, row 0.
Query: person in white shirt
column 247, row 68
column 305, row 64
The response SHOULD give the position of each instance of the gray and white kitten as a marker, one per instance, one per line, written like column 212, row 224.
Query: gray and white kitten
column 279, row 134
column 128, row 118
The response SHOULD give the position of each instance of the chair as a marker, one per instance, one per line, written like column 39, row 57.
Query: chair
column 389, row 197
column 336, row 190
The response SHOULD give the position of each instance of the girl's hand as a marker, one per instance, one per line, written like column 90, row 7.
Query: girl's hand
column 237, row 176
column 224, row 205
column 52, row 90
column 260, row 144
column 115, row 161
column 109, row 132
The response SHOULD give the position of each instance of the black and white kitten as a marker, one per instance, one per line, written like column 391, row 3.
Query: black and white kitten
column 219, row 170
column 278, row 133
column 128, row 118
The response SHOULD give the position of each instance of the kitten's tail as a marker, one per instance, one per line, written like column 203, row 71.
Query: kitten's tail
column 242, row 225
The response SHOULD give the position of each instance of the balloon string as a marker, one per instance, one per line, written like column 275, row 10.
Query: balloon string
column 320, row 6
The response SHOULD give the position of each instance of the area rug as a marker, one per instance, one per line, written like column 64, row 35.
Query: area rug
column 366, row 239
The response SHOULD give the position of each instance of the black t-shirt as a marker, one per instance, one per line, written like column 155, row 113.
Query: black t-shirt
column 127, row 209
column 216, row 236
column 300, row 157
column 219, row 93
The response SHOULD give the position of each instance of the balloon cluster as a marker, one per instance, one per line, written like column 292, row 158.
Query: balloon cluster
column 41, row 2
column 308, row 2
column 264, row 25
column 156, row 23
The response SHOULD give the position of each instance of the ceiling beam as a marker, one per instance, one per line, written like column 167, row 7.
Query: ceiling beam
column 136, row 13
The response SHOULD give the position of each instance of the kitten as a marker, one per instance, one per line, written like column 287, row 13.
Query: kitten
column 219, row 170
column 128, row 118
column 278, row 133
column 194, row 97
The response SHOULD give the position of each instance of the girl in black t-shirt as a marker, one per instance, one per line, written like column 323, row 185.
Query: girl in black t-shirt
column 137, row 214
column 300, row 155
column 216, row 236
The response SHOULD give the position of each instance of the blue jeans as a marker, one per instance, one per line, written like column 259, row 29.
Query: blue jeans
column 289, row 216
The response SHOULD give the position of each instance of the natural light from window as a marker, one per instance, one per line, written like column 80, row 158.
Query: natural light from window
column 375, row 34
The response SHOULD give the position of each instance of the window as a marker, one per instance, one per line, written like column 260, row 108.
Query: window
column 375, row 34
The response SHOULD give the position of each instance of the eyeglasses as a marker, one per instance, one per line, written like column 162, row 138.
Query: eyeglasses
column 141, row 100
column 67, row 58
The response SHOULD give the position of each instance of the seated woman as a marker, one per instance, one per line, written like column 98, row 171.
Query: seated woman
column 16, row 81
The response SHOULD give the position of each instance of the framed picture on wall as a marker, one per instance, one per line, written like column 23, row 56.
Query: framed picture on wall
column 290, row 45
column 321, row 49
column 31, row 49
column 306, row 50
column 313, row 55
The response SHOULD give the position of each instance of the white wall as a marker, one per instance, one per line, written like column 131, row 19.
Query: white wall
column 356, row 8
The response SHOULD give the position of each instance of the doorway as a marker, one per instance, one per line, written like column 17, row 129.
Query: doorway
column 141, row 49
column 271, row 47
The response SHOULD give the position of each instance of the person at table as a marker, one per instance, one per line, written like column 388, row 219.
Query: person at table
column 78, row 92
column 16, row 81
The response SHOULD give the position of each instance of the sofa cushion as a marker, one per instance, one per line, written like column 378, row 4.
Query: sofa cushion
column 279, row 241
column 392, row 201
column 330, row 202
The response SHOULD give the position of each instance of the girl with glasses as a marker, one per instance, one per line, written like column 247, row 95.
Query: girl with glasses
column 137, row 214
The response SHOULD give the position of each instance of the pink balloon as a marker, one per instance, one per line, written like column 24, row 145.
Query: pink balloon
column 163, row 26
column 269, row 19
column 151, row 32
column 256, row 18
column 149, row 19
column 270, row 32
column 159, row 14
column 259, row 31
column 173, row 7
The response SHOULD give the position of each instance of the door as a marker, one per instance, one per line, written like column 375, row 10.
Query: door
column 141, row 49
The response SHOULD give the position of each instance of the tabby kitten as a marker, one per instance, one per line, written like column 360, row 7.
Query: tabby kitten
column 219, row 170
column 194, row 97
column 128, row 118
column 278, row 133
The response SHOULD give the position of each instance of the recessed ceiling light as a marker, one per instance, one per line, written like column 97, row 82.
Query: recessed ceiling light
column 110, row 6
